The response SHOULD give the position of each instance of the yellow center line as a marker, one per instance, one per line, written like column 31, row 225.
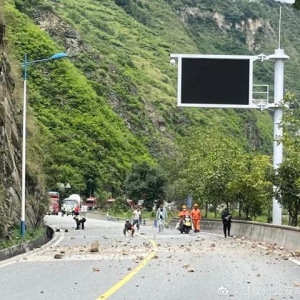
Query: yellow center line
column 119, row 284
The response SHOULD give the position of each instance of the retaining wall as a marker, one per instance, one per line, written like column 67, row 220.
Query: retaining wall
column 27, row 246
column 284, row 236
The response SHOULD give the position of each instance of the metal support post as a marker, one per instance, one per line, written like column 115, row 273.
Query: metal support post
column 278, row 57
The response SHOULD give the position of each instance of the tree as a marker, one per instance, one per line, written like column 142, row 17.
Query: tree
column 122, row 3
column 207, row 165
column 287, row 180
column 170, row 160
column 287, row 176
column 252, row 185
column 296, row 5
column 146, row 183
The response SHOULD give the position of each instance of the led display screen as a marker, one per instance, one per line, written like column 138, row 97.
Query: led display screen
column 215, row 81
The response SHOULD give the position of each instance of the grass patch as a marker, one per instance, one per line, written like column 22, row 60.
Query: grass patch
column 16, row 239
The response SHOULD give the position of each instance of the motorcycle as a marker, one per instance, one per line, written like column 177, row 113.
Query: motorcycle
column 186, row 224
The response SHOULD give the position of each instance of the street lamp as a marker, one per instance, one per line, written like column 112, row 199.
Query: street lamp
column 65, row 188
column 68, row 186
column 63, row 192
column 25, row 65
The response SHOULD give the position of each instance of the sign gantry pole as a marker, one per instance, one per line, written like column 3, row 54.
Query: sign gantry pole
column 278, row 57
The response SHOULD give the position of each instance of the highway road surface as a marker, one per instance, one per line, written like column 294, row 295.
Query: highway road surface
column 150, row 266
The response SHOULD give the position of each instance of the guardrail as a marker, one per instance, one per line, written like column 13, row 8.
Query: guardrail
column 281, row 235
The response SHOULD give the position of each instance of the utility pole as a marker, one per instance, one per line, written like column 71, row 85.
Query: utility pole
column 278, row 57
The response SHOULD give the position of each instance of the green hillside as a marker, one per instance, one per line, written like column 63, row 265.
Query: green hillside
column 113, row 102
column 82, row 138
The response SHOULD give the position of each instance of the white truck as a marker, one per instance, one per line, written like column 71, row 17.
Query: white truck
column 71, row 202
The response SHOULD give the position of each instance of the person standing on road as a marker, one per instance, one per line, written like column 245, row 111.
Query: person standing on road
column 226, row 218
column 196, row 217
column 136, row 216
column 79, row 220
column 161, row 216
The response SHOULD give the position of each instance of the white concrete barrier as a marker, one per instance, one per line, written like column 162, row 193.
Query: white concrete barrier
column 283, row 236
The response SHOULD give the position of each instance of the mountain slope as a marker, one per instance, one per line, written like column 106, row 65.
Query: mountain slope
column 133, row 43
column 122, row 50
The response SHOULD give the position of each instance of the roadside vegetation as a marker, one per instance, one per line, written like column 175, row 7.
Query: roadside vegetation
column 213, row 168
column 14, row 237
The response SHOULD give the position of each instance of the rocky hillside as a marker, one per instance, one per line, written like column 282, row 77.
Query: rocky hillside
column 10, row 145
column 10, row 149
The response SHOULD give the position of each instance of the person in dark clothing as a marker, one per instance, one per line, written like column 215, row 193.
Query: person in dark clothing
column 128, row 228
column 79, row 220
column 226, row 218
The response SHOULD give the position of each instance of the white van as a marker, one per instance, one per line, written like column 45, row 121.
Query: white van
column 76, row 198
column 71, row 202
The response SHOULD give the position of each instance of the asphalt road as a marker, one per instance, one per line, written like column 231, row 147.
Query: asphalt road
column 149, row 266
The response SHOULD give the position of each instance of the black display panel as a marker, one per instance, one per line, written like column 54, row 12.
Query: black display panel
column 215, row 81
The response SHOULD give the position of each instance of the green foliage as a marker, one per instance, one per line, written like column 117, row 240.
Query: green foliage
column 134, row 74
column 287, row 176
column 6, row 223
column 215, row 170
column 26, row 5
column 251, row 184
column 288, row 186
column 207, row 165
column 14, row 237
column 145, row 183
column 122, row 3
column 137, row 9
column 120, row 205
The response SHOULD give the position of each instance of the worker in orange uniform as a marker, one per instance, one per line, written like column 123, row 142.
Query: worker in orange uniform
column 196, row 217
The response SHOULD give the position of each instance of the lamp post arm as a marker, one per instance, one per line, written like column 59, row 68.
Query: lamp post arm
column 37, row 61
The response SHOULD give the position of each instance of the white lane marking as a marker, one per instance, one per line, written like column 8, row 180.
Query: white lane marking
column 213, row 234
column 53, row 242
column 59, row 240
column 179, row 235
column 47, row 246
column 7, row 264
column 296, row 261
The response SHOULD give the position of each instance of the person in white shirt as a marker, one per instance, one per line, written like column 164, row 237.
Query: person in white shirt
column 136, row 216
column 161, row 216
